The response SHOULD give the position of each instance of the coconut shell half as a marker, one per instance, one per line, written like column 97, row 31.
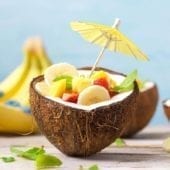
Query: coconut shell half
column 166, row 107
column 79, row 132
column 146, row 106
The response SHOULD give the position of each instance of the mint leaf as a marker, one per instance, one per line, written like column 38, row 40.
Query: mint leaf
column 68, row 81
column 93, row 167
column 30, row 154
column 8, row 159
column 47, row 161
column 33, row 153
column 127, row 84
column 119, row 142
column 120, row 89
column 129, row 79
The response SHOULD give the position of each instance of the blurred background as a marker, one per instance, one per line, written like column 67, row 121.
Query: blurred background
column 145, row 22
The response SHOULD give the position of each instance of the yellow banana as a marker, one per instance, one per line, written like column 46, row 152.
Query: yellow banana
column 14, row 81
column 15, row 116
column 14, row 120
column 22, row 95
column 35, row 47
column 42, row 54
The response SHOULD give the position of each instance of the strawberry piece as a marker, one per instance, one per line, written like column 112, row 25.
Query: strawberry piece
column 70, row 97
column 102, row 82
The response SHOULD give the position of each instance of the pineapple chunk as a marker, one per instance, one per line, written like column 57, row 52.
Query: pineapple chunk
column 58, row 88
column 99, row 74
column 80, row 83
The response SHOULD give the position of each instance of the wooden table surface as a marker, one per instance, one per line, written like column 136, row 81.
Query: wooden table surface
column 144, row 151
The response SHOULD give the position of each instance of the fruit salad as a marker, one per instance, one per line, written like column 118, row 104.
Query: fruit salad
column 64, row 81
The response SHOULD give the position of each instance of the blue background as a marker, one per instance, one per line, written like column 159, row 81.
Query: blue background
column 146, row 22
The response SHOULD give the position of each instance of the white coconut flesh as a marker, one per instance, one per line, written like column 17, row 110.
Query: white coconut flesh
column 117, row 98
column 148, row 85
column 167, row 103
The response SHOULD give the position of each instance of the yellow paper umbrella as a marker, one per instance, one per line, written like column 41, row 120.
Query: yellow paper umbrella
column 109, row 38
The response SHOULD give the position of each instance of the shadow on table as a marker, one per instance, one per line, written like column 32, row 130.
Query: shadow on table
column 152, row 135
column 127, row 157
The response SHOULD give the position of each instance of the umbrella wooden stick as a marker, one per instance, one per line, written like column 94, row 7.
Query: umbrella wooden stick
column 115, row 25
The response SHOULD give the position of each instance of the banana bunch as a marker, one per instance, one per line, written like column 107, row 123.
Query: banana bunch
column 15, row 114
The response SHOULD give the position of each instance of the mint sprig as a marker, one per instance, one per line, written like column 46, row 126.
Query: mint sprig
column 128, row 82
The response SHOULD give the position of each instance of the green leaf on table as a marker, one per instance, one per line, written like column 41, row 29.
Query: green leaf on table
column 94, row 167
column 30, row 154
column 68, row 81
column 127, row 83
column 47, row 161
column 8, row 159
column 33, row 153
column 119, row 142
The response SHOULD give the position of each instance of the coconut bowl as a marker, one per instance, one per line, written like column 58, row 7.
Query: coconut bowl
column 146, row 107
column 166, row 107
column 81, row 132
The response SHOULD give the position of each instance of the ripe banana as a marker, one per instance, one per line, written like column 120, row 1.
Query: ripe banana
column 14, row 81
column 22, row 94
column 59, row 69
column 93, row 94
column 15, row 114
column 14, row 120
column 36, row 48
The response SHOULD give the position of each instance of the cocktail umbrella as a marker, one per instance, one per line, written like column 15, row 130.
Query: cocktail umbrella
column 109, row 38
